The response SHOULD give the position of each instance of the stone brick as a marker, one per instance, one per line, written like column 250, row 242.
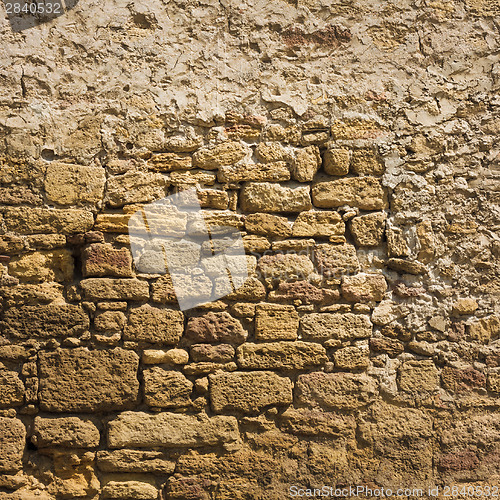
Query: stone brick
column 135, row 187
column 485, row 329
column 170, row 357
column 276, row 322
column 12, row 441
column 227, row 153
column 269, row 197
column 366, row 162
column 306, row 164
column 56, row 265
column 248, row 392
column 11, row 244
column 110, row 321
column 268, row 225
column 155, row 325
column 285, row 266
column 368, row 229
column 363, row 287
column 418, row 376
column 46, row 241
column 71, row 432
column 45, row 220
column 493, row 383
column 462, row 380
column 156, row 462
column 11, row 389
column 390, row 347
column 215, row 327
column 112, row 223
column 51, row 320
column 316, row 223
column 336, row 161
column 324, row 326
column 352, row 358
column 166, row 389
column 281, row 355
column 303, row 291
column 273, row 172
column 221, row 353
column 114, row 289
column 396, row 243
column 305, row 422
column 213, row 198
column 365, row 193
column 406, row 266
column 74, row 184
column 129, row 490
column 339, row 391
column 183, row 143
column 358, row 128
column 168, row 162
column 255, row 244
column 172, row 430
column 272, row 151
column 88, row 381
column 464, row 306
column 252, row 290
column 102, row 259
column 335, row 260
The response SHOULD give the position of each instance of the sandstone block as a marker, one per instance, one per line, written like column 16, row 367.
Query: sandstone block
column 67, row 184
column 183, row 143
column 268, row 225
column 418, row 376
column 485, row 329
column 365, row 193
column 358, row 128
column 154, row 324
column 272, row 151
column 352, row 358
column 406, row 266
column 305, row 422
column 303, row 291
column 112, row 223
column 324, row 326
column 170, row 357
column 316, row 223
column 285, row 266
column 12, row 441
column 335, row 260
column 464, row 306
column 114, row 289
column 71, row 432
column 102, row 259
column 215, row 327
column 172, row 430
column 255, row 244
column 493, row 383
column 51, row 320
column 135, row 187
column 213, row 198
column 156, row 462
column 11, row 244
column 11, row 389
column 368, row 230
column 129, row 490
column 269, row 197
column 336, row 161
column 88, row 381
column 168, row 162
column 222, row 353
column 396, row 243
column 364, row 287
column 366, row 162
column 276, row 322
column 45, row 220
column 248, row 391
column 166, row 389
column 391, row 347
column 273, row 172
column 110, row 321
column 55, row 265
column 281, row 355
column 340, row 391
column 306, row 164
column 227, row 153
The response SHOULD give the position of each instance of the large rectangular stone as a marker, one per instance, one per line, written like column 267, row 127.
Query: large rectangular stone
column 248, row 391
column 72, row 432
column 12, row 441
column 45, row 220
column 316, row 223
column 281, row 355
column 365, row 193
column 88, row 381
column 273, row 172
column 172, row 430
column 276, row 322
column 154, row 324
column 51, row 320
column 114, row 289
column 324, row 326
column 270, row 197
column 11, row 389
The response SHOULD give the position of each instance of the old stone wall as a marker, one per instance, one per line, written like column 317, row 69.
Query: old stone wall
column 355, row 146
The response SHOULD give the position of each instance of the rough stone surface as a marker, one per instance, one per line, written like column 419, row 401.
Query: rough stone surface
column 325, row 326
column 418, row 376
column 306, row 164
column 276, row 322
column 104, row 260
column 336, row 161
column 166, row 388
column 315, row 223
column 12, row 441
column 368, row 229
column 215, row 327
column 364, row 287
column 268, row 224
column 114, row 289
column 55, row 265
column 88, row 381
column 268, row 197
column 248, row 392
column 11, row 389
column 129, row 490
column 72, row 432
column 335, row 260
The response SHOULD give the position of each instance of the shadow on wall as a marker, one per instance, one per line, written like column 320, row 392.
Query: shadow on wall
column 24, row 14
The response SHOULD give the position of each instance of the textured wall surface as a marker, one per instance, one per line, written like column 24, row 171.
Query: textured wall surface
column 355, row 145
